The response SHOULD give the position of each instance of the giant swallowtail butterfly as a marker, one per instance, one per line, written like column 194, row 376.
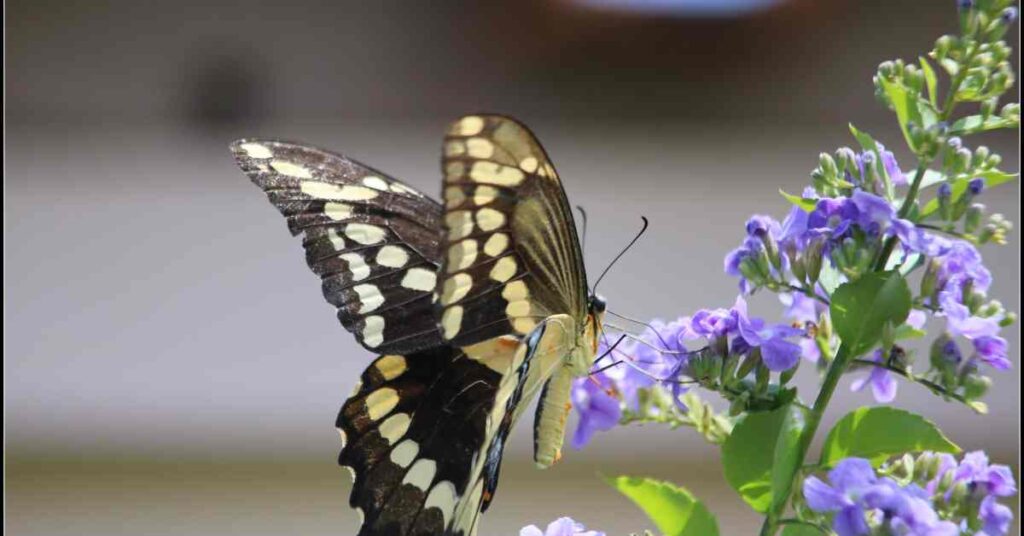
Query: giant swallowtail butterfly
column 474, row 306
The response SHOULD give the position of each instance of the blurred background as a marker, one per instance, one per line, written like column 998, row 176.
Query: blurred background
column 170, row 367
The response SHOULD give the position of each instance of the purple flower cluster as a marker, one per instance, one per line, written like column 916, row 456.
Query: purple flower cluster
column 984, row 485
column 563, row 526
column 856, row 495
column 960, row 277
column 660, row 355
column 959, row 498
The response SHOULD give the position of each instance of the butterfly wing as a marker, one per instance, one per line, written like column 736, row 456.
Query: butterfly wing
column 374, row 241
column 511, row 255
column 417, row 433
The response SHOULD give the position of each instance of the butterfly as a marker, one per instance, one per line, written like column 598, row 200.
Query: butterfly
column 474, row 305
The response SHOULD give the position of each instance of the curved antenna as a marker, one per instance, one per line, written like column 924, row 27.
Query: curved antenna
column 621, row 253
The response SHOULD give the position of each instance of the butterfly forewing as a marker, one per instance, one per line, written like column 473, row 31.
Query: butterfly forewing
column 374, row 241
column 511, row 256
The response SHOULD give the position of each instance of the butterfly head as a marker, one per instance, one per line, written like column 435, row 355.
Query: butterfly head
column 596, row 306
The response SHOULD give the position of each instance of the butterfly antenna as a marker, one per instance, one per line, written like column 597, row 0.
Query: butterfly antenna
column 623, row 252
column 642, row 323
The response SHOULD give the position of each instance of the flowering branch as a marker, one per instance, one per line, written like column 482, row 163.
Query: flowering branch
column 839, row 262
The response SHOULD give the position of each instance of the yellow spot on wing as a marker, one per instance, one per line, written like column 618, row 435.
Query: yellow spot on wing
column 496, row 244
column 469, row 126
column 292, row 170
column 255, row 150
column 451, row 321
column 391, row 366
column 491, row 173
column 419, row 279
column 504, row 269
column 380, row 402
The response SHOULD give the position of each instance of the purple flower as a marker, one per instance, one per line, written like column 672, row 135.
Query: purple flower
column 975, row 471
column 560, row 527
column 883, row 385
column 960, row 263
column 976, row 186
column 855, row 490
column 599, row 410
column 995, row 517
column 960, row 321
column 713, row 323
column 849, row 478
column 992, row 351
column 892, row 168
column 778, row 353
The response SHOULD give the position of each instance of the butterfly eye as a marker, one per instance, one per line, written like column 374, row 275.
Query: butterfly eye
column 597, row 304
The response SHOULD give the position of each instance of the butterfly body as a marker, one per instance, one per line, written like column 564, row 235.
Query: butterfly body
column 475, row 305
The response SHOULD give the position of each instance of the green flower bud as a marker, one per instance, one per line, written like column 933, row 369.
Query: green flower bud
column 980, row 155
column 813, row 258
column 788, row 374
column 973, row 218
column 762, row 377
column 993, row 161
column 930, row 279
column 1011, row 110
column 962, row 160
column 828, row 165
column 887, row 69
column 942, row 46
column 988, row 106
column 1008, row 320
column 975, row 386
column 748, row 364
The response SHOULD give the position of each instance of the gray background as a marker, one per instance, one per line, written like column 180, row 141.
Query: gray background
column 169, row 365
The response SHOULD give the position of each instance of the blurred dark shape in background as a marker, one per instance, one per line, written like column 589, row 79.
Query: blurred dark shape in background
column 170, row 367
column 225, row 88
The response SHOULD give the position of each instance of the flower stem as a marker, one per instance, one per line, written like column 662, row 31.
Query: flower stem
column 828, row 388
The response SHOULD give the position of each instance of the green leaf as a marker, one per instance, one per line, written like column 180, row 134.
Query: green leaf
column 860, row 308
column 977, row 123
column 993, row 178
column 803, row 529
column 747, row 462
column 908, row 109
column 787, row 456
column 908, row 332
column 673, row 509
column 807, row 205
column 864, row 139
column 931, row 178
column 878, row 433
column 931, row 82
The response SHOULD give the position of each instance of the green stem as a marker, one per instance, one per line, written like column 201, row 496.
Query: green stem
column 828, row 387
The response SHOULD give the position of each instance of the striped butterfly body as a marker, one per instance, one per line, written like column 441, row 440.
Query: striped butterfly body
column 474, row 305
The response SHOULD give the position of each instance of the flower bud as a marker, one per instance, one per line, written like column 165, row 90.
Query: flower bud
column 796, row 260
column 926, row 467
column 813, row 254
column 944, row 196
column 930, row 279
column 1008, row 16
column 961, row 160
column 980, row 155
column 1011, row 110
column 828, row 165
column 972, row 220
column 788, row 374
column 975, row 386
column 747, row 365
column 1009, row 319
column 943, row 45
column 887, row 69
column 954, row 143
column 988, row 106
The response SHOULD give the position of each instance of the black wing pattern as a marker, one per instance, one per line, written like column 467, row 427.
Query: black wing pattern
column 417, row 434
column 511, row 254
column 374, row 241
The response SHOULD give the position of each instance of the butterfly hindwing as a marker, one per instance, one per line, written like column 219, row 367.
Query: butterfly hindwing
column 374, row 241
column 511, row 256
column 417, row 432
